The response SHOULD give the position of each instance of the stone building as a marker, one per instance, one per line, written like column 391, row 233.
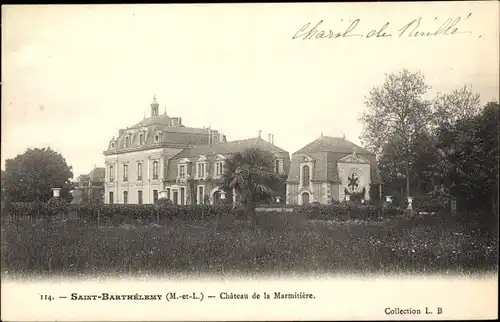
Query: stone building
column 327, row 168
column 90, row 187
column 160, row 153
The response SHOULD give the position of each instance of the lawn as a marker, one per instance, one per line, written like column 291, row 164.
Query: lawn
column 267, row 245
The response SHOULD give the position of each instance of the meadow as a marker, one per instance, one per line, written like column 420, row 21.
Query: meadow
column 268, row 243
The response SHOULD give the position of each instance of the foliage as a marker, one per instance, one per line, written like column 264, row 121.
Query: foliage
column 31, row 176
column 461, row 104
column 356, row 196
column 251, row 175
column 449, row 154
column 342, row 211
column 57, row 206
column 396, row 114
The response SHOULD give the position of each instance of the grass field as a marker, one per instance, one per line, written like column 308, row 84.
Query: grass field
column 268, row 245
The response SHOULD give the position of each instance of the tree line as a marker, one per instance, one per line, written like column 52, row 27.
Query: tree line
column 442, row 150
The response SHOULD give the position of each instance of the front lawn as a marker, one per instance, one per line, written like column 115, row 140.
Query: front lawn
column 228, row 246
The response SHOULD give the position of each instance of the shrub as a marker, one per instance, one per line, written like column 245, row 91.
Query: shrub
column 391, row 211
column 57, row 206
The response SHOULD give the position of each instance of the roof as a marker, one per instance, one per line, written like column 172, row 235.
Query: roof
column 155, row 120
column 332, row 144
column 228, row 148
column 97, row 175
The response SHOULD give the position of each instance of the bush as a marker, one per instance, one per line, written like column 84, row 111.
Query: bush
column 57, row 206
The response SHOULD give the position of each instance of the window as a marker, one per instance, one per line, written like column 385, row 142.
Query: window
column 182, row 171
column 218, row 168
column 155, row 195
column 277, row 166
column 139, row 171
column 113, row 145
column 111, row 199
column 168, row 193
column 125, row 172
column 141, row 139
column 125, row 197
column 111, row 174
column 175, row 197
column 305, row 176
column 127, row 142
column 201, row 169
column 182, row 196
column 155, row 170
column 201, row 195
column 139, row 197
column 157, row 138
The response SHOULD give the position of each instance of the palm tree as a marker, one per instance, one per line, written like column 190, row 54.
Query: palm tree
column 250, row 175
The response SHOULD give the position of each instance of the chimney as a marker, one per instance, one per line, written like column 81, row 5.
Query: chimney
column 260, row 133
column 272, row 139
column 269, row 136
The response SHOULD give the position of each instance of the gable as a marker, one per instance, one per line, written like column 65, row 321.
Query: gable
column 353, row 158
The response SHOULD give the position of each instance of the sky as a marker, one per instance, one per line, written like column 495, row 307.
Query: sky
column 73, row 75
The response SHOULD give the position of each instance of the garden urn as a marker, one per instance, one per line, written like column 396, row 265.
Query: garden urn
column 410, row 200
column 56, row 192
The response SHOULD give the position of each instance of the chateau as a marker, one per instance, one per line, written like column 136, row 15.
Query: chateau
column 161, row 155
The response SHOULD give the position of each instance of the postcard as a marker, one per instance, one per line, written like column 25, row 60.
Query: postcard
column 272, row 161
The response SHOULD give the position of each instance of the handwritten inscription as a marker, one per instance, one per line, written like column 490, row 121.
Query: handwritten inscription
column 416, row 28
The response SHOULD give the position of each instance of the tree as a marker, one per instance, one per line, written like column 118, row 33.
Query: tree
column 396, row 114
column 461, row 104
column 250, row 175
column 31, row 176
column 464, row 162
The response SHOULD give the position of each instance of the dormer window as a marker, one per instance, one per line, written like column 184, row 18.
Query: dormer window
column 127, row 141
column 157, row 138
column 200, row 169
column 201, row 166
column 183, row 168
column 219, row 164
column 141, row 139
column 112, row 145
column 219, row 168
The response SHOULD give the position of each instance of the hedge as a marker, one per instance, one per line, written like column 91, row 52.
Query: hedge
column 345, row 211
column 164, row 211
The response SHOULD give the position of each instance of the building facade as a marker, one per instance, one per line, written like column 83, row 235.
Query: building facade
column 328, row 169
column 194, row 175
column 160, row 154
